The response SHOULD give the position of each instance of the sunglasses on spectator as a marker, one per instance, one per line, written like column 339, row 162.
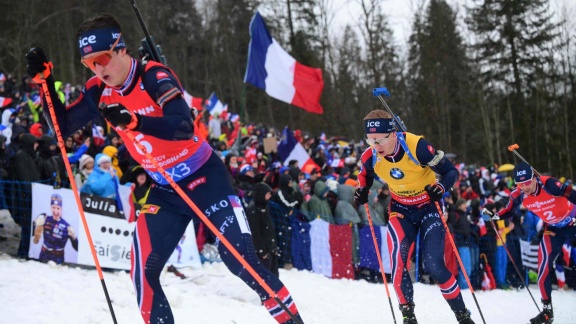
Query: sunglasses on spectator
column 377, row 141
column 102, row 59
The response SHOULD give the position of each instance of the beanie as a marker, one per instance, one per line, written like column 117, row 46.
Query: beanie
column 101, row 158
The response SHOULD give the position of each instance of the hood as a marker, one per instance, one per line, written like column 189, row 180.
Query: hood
column 6, row 116
column 259, row 192
column 346, row 193
column 320, row 189
column 44, row 145
column 27, row 142
column 35, row 129
column 284, row 182
column 58, row 85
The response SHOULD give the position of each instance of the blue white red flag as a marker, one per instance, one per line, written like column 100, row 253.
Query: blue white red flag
column 215, row 106
column 290, row 149
column 5, row 101
column 97, row 137
column 271, row 68
column 367, row 253
column 323, row 248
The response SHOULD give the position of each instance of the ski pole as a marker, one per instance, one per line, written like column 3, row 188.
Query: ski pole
column 74, row 188
column 212, row 227
column 459, row 259
column 380, row 260
column 514, row 263
column 380, row 93
column 513, row 148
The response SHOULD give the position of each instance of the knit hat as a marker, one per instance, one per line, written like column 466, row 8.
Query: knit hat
column 85, row 158
column 101, row 158
column 245, row 168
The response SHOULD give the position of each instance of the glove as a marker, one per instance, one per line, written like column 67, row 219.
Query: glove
column 40, row 220
column 435, row 191
column 118, row 115
column 361, row 195
column 71, row 232
column 492, row 215
column 37, row 63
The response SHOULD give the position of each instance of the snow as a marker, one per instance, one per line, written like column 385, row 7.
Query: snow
column 33, row 292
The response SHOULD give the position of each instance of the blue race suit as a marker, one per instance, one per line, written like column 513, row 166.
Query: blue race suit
column 55, row 234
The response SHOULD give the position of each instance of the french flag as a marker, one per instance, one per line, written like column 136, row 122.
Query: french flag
column 271, row 68
column 290, row 149
column 97, row 137
column 367, row 252
column 194, row 102
column 5, row 101
column 323, row 248
column 215, row 106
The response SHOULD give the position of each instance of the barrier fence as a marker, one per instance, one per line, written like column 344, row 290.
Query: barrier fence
column 336, row 251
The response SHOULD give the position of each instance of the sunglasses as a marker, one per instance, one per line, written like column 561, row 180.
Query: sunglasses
column 102, row 59
column 377, row 141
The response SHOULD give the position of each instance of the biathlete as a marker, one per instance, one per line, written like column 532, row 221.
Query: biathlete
column 555, row 203
column 147, row 101
column 408, row 163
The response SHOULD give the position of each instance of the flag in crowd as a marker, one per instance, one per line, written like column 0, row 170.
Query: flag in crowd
column 5, row 101
column 97, row 136
column 271, row 68
column 195, row 102
column 215, row 106
column 323, row 248
column 290, row 149
column 367, row 253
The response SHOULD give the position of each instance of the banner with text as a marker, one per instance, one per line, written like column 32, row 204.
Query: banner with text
column 57, row 232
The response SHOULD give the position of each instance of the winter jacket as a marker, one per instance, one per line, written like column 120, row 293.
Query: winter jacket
column 376, row 209
column 112, row 152
column 25, row 168
column 260, row 221
column 317, row 206
column 45, row 160
column 345, row 212
column 100, row 183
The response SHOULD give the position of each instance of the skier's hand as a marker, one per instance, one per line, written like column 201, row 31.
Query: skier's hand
column 435, row 191
column 120, row 116
column 40, row 220
column 492, row 215
column 361, row 195
column 38, row 63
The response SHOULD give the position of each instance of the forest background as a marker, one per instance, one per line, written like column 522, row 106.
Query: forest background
column 473, row 79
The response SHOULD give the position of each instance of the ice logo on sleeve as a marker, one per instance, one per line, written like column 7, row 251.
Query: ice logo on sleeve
column 240, row 214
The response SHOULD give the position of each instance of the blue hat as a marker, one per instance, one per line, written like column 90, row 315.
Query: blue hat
column 56, row 199
column 245, row 168
column 523, row 172
column 284, row 168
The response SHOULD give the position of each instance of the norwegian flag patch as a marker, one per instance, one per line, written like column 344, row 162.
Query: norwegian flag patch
column 162, row 75
column 431, row 149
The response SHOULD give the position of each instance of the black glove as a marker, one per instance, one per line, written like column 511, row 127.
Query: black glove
column 361, row 195
column 435, row 191
column 118, row 115
column 37, row 62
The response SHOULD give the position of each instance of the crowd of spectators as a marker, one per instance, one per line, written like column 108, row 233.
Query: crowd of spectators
column 28, row 153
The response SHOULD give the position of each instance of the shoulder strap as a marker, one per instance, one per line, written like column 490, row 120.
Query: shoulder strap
column 402, row 141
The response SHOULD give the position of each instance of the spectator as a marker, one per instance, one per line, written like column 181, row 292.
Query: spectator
column 345, row 212
column 25, row 172
column 112, row 152
column 318, row 206
column 37, row 130
column 503, row 227
column 47, row 164
column 3, row 172
column 286, row 201
column 142, row 182
column 85, row 168
column 262, row 227
column 245, row 183
column 376, row 209
column 103, row 180
column 460, row 223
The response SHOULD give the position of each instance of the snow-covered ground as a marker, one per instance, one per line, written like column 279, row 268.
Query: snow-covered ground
column 35, row 293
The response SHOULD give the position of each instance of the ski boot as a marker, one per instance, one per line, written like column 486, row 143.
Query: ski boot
column 408, row 313
column 463, row 317
column 546, row 316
